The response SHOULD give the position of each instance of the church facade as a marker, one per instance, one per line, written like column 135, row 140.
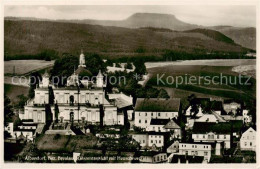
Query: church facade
column 77, row 102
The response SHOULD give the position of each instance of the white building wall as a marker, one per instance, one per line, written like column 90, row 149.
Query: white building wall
column 248, row 140
column 203, row 150
column 157, row 140
column 37, row 114
column 143, row 119
column 212, row 138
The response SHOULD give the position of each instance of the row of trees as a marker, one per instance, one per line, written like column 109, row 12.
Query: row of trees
column 47, row 55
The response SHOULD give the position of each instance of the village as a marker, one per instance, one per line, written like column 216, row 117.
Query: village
column 115, row 127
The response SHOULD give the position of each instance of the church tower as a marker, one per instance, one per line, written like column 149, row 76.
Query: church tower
column 45, row 80
column 100, row 79
column 82, row 59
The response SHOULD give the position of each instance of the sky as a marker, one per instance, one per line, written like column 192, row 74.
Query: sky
column 233, row 15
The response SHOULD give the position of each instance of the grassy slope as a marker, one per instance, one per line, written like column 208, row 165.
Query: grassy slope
column 109, row 41
column 222, row 91
column 12, row 91
column 65, row 143
column 214, row 35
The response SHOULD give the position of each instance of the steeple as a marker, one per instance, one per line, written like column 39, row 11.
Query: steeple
column 82, row 59
column 45, row 80
column 100, row 79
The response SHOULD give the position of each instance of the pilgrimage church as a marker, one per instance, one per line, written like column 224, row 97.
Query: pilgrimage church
column 80, row 101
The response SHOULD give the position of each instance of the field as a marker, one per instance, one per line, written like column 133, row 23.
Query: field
column 196, row 69
column 23, row 67
column 213, row 62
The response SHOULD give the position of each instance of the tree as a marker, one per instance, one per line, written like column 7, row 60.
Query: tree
column 63, row 68
column 118, row 65
column 7, row 110
column 128, row 65
column 194, row 106
column 35, row 79
column 140, row 67
column 22, row 100
column 94, row 63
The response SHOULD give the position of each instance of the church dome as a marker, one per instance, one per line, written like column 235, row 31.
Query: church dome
column 82, row 72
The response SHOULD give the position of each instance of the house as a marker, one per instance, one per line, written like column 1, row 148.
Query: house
column 173, row 128
column 174, row 148
column 25, row 134
column 216, row 132
column 108, row 134
column 141, row 138
column 25, row 131
column 150, row 139
column 156, row 139
column 195, row 149
column 231, row 106
column 157, row 125
column 152, row 157
column 154, row 108
column 248, row 140
column 9, row 128
column 211, row 118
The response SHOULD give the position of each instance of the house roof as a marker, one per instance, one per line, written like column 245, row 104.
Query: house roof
column 228, row 101
column 122, row 103
column 220, row 128
column 155, row 104
column 159, row 121
column 172, row 125
column 149, row 153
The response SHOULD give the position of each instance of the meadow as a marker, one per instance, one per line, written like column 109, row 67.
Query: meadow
column 22, row 67
column 199, row 68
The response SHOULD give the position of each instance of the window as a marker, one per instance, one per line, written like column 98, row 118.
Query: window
column 152, row 114
column 143, row 141
column 159, row 114
column 145, row 121
column 139, row 121
column 196, row 153
column 145, row 114
column 205, row 153
column 203, row 136
column 250, row 143
column 151, row 141
column 197, row 136
column 224, row 136
column 159, row 141
column 245, row 143
column 217, row 136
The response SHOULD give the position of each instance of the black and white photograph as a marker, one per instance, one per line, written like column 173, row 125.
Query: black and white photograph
column 130, row 84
